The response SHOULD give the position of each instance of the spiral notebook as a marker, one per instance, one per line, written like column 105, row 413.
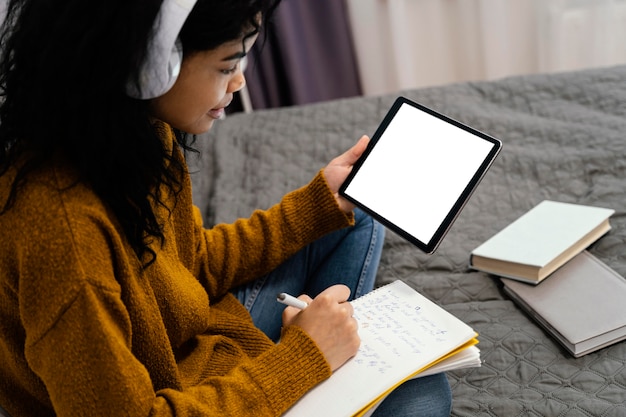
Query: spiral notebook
column 403, row 335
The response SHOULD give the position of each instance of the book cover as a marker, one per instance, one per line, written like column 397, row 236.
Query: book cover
column 402, row 333
column 567, row 304
column 541, row 240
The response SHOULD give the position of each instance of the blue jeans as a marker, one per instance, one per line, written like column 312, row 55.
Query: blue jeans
column 349, row 256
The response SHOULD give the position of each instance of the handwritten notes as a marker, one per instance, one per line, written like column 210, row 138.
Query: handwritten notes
column 402, row 332
column 393, row 327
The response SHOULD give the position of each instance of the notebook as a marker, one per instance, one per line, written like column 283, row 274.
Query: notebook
column 402, row 334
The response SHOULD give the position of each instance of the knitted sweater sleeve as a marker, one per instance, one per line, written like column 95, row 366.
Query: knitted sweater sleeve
column 88, row 368
column 229, row 255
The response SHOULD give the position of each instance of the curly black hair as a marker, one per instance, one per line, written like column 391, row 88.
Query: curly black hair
column 64, row 70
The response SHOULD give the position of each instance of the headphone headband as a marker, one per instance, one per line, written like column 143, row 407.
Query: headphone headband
column 164, row 56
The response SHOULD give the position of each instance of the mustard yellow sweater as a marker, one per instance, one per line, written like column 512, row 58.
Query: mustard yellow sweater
column 84, row 331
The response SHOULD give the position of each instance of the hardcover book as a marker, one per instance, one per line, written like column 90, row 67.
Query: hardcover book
column 540, row 241
column 581, row 305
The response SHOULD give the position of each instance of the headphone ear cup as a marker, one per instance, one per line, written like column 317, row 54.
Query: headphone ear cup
column 164, row 57
column 164, row 80
column 158, row 75
column 174, row 63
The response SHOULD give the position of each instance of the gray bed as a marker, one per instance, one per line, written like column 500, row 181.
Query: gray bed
column 564, row 139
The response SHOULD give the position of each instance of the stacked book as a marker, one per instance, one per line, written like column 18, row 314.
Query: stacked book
column 542, row 261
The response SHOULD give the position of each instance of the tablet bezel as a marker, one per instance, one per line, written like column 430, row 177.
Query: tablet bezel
column 430, row 246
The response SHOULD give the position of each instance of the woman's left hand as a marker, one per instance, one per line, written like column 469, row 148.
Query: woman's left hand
column 338, row 169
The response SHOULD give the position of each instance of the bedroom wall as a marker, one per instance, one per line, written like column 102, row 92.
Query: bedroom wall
column 414, row 43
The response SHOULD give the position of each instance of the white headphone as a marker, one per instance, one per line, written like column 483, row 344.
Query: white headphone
column 165, row 54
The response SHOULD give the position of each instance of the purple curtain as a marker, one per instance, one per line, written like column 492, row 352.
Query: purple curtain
column 307, row 56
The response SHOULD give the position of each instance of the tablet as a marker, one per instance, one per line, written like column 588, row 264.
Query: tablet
column 418, row 171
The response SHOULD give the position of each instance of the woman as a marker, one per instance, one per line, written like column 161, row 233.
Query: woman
column 114, row 300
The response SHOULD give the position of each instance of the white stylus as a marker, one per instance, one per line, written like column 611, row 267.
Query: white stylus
column 290, row 300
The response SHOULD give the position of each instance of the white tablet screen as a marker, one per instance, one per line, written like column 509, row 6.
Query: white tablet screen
column 418, row 171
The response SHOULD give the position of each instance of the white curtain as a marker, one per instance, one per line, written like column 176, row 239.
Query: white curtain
column 415, row 43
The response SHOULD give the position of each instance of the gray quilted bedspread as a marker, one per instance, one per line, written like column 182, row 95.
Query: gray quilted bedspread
column 564, row 139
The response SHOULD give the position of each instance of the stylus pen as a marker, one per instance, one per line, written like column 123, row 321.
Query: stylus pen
column 292, row 301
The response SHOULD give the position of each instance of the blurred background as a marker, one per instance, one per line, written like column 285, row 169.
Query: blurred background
column 317, row 50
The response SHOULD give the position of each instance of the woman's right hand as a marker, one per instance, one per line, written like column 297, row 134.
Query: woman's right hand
column 329, row 321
